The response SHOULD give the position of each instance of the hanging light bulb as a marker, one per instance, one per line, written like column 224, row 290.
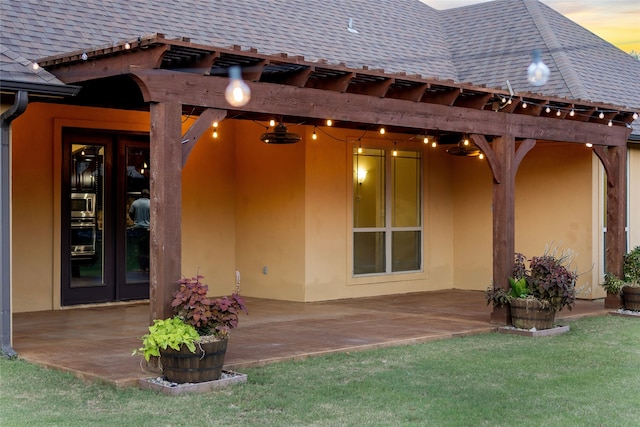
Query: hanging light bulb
column 360, row 150
column 382, row 131
column 35, row 66
column 538, row 72
column 434, row 144
column 548, row 109
column 426, row 139
column 466, row 141
column 635, row 116
column 127, row 46
column 481, row 156
column 395, row 153
column 610, row 123
column 329, row 122
column 589, row 145
column 272, row 123
column 215, row 134
column 237, row 93
column 84, row 56
column 524, row 104
column 572, row 112
column 558, row 113
column 314, row 136
column 601, row 115
column 145, row 165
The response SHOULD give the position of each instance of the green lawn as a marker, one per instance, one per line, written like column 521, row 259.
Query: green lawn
column 587, row 377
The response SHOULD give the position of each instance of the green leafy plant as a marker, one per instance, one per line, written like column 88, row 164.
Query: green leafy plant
column 548, row 280
column 631, row 273
column 172, row 332
column 208, row 316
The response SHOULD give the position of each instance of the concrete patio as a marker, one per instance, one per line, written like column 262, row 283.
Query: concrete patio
column 96, row 342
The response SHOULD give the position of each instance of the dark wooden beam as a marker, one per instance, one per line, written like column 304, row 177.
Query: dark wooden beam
column 122, row 63
column 196, row 130
column 614, row 160
column 508, row 160
column 207, row 91
column 377, row 88
column 166, row 206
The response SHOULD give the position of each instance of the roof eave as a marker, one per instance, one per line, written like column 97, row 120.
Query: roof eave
column 42, row 89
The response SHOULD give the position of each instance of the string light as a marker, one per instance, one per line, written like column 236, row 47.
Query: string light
column 35, row 65
column 601, row 115
column 558, row 113
column 215, row 129
column 382, row 131
column 360, row 149
column 610, row 123
column 635, row 116
column 572, row 112
column 548, row 109
column 314, row 136
column 434, row 144
column 395, row 150
column 84, row 56
column 127, row 46
column 272, row 122
column 329, row 122
column 538, row 72
column 524, row 104
column 426, row 139
column 237, row 93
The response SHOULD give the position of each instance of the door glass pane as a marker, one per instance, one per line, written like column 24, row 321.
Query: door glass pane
column 137, row 214
column 368, row 252
column 86, row 200
column 368, row 188
column 406, row 250
column 406, row 199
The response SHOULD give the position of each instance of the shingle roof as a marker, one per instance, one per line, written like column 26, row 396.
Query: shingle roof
column 492, row 42
column 15, row 68
column 485, row 44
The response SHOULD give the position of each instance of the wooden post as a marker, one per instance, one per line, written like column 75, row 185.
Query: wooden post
column 166, row 206
column 504, row 162
column 614, row 160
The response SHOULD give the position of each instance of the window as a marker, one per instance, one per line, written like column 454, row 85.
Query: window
column 387, row 211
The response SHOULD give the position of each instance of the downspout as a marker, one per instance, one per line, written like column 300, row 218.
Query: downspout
column 18, row 107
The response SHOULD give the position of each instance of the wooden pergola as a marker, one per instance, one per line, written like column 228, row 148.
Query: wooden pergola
column 175, row 77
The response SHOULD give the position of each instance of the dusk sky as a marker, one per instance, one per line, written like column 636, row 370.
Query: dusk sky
column 616, row 21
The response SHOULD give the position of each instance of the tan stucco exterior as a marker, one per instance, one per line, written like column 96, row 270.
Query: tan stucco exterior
column 634, row 195
column 281, row 215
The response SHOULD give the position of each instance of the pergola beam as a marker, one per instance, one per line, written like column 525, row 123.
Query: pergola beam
column 268, row 98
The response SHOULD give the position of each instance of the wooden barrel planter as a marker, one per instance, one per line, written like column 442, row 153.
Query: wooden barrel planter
column 631, row 297
column 527, row 313
column 183, row 366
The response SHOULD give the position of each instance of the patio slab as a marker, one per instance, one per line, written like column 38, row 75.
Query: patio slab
column 96, row 342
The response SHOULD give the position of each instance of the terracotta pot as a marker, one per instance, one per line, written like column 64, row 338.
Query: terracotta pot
column 183, row 366
column 527, row 313
column 631, row 297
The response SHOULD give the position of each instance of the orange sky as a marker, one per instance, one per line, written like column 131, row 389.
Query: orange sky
column 616, row 21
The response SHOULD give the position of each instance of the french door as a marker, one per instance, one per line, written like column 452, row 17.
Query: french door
column 104, row 255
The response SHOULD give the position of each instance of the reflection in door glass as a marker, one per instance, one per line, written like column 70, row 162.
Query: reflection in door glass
column 137, row 214
column 86, row 199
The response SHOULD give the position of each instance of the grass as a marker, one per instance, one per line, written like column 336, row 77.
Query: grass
column 587, row 377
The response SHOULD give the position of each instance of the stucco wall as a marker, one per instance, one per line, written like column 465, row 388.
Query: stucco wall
column 634, row 195
column 248, row 206
column 36, row 158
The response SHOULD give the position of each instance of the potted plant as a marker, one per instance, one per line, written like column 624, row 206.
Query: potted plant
column 627, row 287
column 538, row 292
column 192, row 344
